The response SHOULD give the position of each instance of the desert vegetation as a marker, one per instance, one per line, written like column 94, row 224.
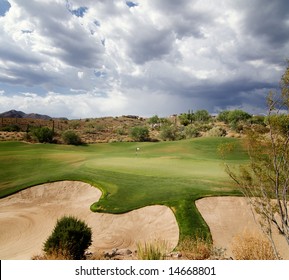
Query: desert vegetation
column 70, row 239
column 265, row 179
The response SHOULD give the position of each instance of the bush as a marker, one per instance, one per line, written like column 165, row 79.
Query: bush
column 238, row 115
column 169, row 133
column 43, row 134
column 217, row 132
column 192, row 132
column 71, row 138
column 202, row 116
column 69, row 239
column 139, row 133
column 11, row 128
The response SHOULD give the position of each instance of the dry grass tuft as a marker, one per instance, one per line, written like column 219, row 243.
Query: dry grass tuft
column 52, row 256
column 252, row 246
column 196, row 248
column 152, row 251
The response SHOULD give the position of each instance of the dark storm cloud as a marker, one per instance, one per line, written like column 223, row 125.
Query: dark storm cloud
column 150, row 44
column 268, row 21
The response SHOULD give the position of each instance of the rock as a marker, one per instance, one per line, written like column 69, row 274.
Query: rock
column 124, row 252
column 117, row 252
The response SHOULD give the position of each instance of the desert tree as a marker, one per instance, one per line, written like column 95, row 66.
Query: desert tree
column 265, row 179
column 139, row 133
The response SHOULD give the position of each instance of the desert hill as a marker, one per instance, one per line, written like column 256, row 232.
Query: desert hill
column 20, row 114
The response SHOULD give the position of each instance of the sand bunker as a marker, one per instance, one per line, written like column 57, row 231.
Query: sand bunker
column 28, row 218
column 230, row 216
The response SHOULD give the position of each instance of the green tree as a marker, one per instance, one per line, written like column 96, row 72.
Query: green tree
column 238, row 115
column 224, row 116
column 202, row 116
column 139, row 133
column 186, row 118
column 71, row 138
column 265, row 180
column 70, row 238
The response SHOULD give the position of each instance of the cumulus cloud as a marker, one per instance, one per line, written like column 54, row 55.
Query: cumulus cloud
column 87, row 58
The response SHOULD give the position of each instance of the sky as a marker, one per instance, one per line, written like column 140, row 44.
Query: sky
column 96, row 58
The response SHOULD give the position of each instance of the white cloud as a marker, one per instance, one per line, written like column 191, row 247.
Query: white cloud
column 80, row 75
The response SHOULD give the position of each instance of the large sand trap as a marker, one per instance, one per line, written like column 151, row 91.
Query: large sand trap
column 228, row 217
column 27, row 218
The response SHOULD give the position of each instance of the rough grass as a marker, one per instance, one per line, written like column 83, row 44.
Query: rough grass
column 252, row 246
column 152, row 251
column 197, row 248
column 166, row 173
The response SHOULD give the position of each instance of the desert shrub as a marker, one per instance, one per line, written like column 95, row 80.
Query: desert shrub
column 186, row 118
column 196, row 248
column 74, row 124
column 238, row 115
column 258, row 120
column 202, row 116
column 154, row 120
column 152, row 251
column 280, row 123
column 69, row 239
column 168, row 132
column 139, row 133
column 223, row 116
column 192, row 132
column 252, row 246
column 11, row 128
column 217, row 132
column 121, row 131
column 71, row 138
column 43, row 134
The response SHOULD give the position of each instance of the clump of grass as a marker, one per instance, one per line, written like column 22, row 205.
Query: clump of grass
column 156, row 250
column 53, row 255
column 196, row 248
column 252, row 246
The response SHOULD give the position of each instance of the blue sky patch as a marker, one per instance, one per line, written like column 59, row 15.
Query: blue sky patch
column 79, row 12
column 131, row 4
column 4, row 7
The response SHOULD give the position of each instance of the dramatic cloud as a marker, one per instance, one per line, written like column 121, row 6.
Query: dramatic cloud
column 89, row 58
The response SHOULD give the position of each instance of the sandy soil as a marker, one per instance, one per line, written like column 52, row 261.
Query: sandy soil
column 228, row 217
column 28, row 218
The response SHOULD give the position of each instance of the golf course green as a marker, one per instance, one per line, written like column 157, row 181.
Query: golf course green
column 129, row 174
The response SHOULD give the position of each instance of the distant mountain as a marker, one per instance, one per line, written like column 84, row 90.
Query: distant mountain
column 20, row 114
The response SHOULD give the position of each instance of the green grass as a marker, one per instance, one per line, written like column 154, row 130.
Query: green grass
column 168, row 173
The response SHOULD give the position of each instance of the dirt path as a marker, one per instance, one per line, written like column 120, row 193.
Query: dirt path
column 28, row 217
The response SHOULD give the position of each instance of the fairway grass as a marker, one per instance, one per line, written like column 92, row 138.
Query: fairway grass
column 174, row 174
